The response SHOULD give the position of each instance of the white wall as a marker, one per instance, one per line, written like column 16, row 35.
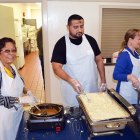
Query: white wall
column 58, row 13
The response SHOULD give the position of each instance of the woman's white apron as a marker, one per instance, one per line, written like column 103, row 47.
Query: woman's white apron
column 10, row 118
column 80, row 66
column 126, row 88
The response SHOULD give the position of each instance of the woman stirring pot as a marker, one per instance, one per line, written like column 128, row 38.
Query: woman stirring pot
column 11, row 86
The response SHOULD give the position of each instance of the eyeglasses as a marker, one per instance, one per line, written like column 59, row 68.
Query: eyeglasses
column 9, row 51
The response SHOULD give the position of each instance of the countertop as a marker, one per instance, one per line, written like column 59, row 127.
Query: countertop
column 109, row 64
column 75, row 129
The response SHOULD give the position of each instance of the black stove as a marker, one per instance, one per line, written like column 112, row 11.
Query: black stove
column 53, row 123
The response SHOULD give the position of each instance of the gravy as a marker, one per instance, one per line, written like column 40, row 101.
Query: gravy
column 46, row 111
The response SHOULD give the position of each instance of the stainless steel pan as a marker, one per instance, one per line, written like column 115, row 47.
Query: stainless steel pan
column 46, row 110
column 109, row 124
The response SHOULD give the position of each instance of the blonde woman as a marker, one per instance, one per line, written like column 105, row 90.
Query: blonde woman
column 127, row 68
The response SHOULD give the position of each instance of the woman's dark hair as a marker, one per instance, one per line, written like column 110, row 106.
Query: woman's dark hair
column 5, row 40
column 74, row 17
column 131, row 33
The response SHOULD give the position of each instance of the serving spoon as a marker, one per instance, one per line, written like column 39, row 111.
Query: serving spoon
column 40, row 113
column 37, row 107
column 84, row 93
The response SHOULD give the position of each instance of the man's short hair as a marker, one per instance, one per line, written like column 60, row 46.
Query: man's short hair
column 74, row 17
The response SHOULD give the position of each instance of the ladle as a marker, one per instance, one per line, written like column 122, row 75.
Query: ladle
column 37, row 107
column 83, row 92
column 41, row 113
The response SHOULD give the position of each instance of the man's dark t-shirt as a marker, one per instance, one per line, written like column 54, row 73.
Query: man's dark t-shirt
column 59, row 52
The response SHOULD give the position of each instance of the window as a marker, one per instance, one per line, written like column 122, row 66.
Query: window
column 115, row 23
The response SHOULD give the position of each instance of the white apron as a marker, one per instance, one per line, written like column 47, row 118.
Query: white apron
column 10, row 118
column 126, row 88
column 80, row 66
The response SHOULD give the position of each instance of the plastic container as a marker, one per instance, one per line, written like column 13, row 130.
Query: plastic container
column 114, row 57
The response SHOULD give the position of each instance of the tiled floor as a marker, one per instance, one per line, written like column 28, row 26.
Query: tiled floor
column 32, row 75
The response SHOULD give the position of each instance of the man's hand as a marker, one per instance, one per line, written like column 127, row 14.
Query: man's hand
column 76, row 85
column 103, row 87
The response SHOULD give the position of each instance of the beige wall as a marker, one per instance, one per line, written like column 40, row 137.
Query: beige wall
column 31, row 11
column 36, row 14
column 6, row 22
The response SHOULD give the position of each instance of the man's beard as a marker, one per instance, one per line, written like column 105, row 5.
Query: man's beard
column 78, row 35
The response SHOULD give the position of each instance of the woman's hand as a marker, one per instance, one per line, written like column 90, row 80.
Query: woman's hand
column 134, row 80
column 31, row 100
column 7, row 101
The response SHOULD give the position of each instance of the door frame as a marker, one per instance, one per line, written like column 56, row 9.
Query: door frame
column 46, row 51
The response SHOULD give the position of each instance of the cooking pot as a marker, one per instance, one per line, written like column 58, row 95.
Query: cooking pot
column 46, row 110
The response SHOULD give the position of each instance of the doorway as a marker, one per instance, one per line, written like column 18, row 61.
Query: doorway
column 8, row 1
